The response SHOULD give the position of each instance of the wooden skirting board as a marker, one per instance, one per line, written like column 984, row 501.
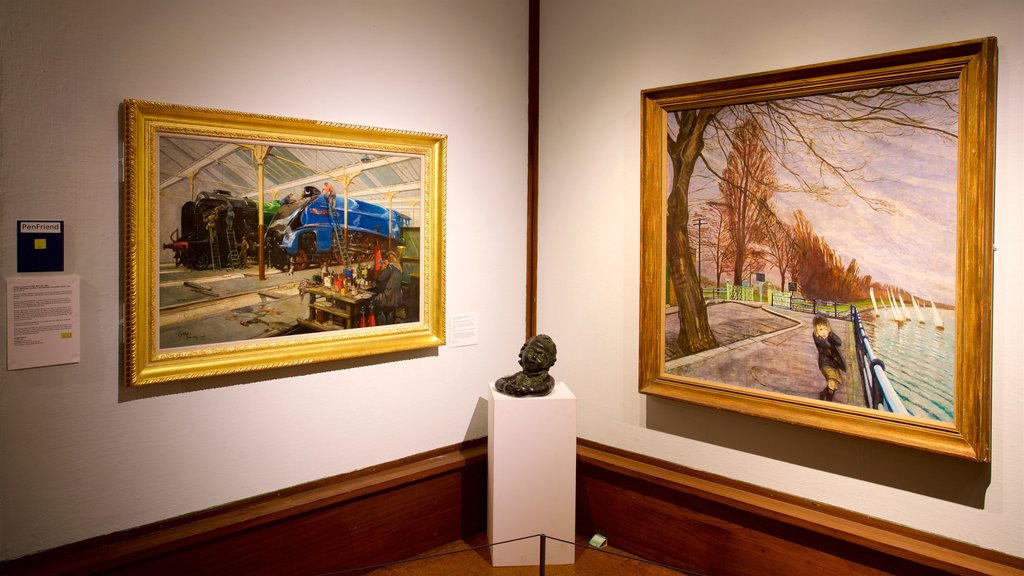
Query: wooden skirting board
column 713, row 525
column 381, row 514
column 658, row 510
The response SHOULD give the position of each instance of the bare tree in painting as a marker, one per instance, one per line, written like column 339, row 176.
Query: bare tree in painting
column 808, row 138
column 684, row 149
column 747, row 185
column 716, row 246
column 779, row 249
column 822, row 272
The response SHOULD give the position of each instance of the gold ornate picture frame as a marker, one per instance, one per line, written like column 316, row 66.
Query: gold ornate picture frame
column 817, row 245
column 253, row 242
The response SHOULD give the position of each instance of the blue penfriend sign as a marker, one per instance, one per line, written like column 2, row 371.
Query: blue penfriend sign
column 40, row 245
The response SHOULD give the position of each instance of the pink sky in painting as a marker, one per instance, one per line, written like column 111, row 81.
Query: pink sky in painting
column 914, row 247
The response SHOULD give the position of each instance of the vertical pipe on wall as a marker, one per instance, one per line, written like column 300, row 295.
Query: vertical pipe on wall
column 531, row 170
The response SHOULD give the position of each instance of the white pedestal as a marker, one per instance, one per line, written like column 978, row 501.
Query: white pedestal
column 531, row 471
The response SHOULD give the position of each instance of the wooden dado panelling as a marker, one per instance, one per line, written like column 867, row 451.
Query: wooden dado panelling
column 658, row 510
column 385, row 513
column 713, row 525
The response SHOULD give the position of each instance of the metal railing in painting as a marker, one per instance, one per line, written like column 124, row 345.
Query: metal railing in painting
column 877, row 388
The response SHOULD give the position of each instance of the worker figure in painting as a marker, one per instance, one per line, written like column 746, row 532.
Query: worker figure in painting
column 211, row 227
column 389, row 289
column 329, row 194
column 211, row 223
column 830, row 356
column 229, row 219
column 537, row 356
column 243, row 252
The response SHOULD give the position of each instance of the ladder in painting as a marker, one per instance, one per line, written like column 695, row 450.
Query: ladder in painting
column 232, row 247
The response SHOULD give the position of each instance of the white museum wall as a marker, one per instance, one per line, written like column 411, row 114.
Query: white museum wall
column 80, row 455
column 596, row 57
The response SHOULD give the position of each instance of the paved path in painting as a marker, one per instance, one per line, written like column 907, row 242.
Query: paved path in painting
column 766, row 349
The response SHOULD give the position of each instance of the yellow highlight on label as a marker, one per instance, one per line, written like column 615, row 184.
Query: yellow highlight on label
column 65, row 334
column 40, row 243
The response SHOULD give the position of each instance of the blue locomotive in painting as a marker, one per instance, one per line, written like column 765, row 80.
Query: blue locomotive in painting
column 312, row 230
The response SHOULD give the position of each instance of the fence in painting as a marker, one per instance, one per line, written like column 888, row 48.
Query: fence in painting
column 786, row 300
column 878, row 390
column 790, row 301
column 731, row 292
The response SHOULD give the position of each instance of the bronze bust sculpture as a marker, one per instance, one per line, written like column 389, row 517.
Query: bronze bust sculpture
column 536, row 356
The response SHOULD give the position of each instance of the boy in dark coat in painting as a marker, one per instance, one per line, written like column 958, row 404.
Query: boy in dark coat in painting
column 830, row 356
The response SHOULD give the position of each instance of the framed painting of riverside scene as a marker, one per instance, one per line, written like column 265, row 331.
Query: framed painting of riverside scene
column 816, row 245
column 254, row 242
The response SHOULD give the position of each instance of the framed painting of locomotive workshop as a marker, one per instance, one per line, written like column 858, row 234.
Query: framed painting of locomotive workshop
column 817, row 245
column 253, row 242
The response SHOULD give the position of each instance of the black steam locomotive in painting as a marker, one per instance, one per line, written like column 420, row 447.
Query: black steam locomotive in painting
column 217, row 229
